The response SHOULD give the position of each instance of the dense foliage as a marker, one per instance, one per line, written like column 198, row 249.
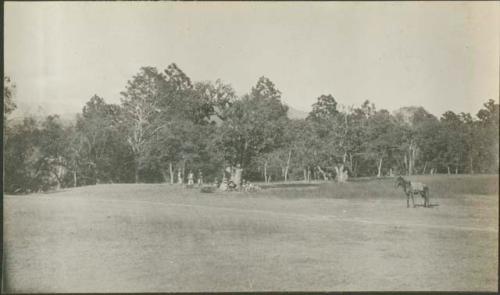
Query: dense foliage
column 167, row 126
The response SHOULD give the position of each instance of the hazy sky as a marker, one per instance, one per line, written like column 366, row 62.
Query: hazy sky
column 439, row 55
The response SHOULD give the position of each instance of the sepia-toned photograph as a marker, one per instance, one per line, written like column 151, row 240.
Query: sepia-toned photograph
column 250, row 146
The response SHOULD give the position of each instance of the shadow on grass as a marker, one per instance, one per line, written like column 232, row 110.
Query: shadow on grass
column 368, row 179
column 430, row 205
column 288, row 185
column 49, row 192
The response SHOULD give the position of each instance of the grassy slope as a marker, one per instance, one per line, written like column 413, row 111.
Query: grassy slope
column 356, row 236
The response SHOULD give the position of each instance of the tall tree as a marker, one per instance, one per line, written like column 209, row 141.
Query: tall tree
column 53, row 149
column 141, row 107
column 488, row 141
column 219, row 96
column 340, row 136
column 412, row 120
column 381, row 139
column 265, row 90
column 21, row 158
column 253, row 125
column 324, row 109
column 307, row 147
column 100, row 139
column 186, row 112
column 453, row 153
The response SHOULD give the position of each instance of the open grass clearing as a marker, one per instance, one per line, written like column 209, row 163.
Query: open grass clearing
column 155, row 237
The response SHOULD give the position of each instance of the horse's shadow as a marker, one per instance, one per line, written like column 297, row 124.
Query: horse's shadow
column 430, row 205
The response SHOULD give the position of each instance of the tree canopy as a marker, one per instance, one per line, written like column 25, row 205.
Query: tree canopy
column 167, row 125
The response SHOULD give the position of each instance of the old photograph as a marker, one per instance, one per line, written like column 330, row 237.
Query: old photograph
column 250, row 146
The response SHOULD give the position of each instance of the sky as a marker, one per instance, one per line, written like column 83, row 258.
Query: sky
column 439, row 55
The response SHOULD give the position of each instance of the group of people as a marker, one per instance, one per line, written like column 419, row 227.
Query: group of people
column 230, row 185
column 190, row 182
column 231, row 180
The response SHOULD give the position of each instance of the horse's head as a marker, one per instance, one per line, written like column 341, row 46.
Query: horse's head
column 400, row 181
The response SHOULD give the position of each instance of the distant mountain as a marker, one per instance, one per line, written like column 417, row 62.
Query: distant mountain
column 70, row 118
column 66, row 119
column 296, row 114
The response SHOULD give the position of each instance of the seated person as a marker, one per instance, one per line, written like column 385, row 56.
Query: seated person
column 224, row 185
column 231, row 184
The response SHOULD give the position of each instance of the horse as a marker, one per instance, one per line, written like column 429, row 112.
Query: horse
column 412, row 188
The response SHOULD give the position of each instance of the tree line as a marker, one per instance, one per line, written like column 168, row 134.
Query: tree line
column 167, row 125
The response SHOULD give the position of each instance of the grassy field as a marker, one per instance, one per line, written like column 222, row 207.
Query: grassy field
column 328, row 237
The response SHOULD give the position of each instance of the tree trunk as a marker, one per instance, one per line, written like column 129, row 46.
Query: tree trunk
column 171, row 173
column 341, row 174
column 355, row 169
column 425, row 166
column 238, row 177
column 183, row 169
column 456, row 170
column 448, row 167
column 164, row 175
column 243, row 154
column 265, row 172
column 325, row 177
column 305, row 174
column 61, row 171
column 379, row 174
column 93, row 169
column 137, row 175
column 287, row 165
column 56, row 176
column 308, row 174
column 231, row 169
column 180, row 177
column 471, row 167
column 351, row 167
column 410, row 163
column 406, row 162
column 413, row 152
